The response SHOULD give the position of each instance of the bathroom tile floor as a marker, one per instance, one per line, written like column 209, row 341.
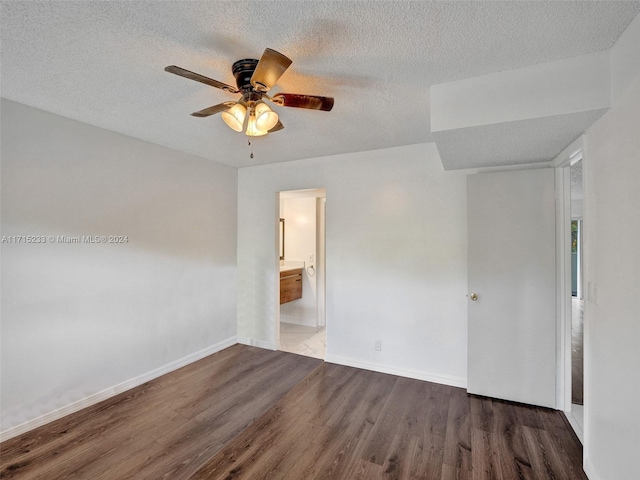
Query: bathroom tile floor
column 303, row 340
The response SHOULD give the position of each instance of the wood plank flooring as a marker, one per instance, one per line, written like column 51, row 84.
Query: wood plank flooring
column 247, row 413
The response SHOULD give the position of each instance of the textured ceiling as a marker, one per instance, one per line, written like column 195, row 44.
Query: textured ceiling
column 102, row 63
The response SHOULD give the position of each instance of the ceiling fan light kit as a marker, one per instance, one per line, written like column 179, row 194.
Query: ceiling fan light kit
column 234, row 117
column 252, row 127
column 254, row 78
column 266, row 118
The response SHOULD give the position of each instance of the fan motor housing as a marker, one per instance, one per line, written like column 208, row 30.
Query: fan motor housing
column 243, row 71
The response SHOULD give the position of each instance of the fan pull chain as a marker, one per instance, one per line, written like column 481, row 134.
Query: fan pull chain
column 249, row 143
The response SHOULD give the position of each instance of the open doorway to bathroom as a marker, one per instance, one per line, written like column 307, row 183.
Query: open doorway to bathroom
column 302, row 322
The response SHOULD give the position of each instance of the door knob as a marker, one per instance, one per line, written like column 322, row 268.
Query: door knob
column 473, row 297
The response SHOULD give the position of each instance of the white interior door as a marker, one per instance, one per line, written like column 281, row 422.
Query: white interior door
column 512, row 327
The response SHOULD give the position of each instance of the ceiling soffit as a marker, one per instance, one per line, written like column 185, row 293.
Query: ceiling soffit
column 523, row 116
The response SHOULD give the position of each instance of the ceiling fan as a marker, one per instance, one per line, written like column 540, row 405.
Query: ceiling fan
column 254, row 79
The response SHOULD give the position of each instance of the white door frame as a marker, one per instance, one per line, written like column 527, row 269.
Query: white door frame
column 572, row 154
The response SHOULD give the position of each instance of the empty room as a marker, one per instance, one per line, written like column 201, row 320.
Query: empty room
column 331, row 239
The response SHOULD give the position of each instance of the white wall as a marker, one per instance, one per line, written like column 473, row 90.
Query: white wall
column 300, row 246
column 576, row 209
column 612, row 273
column 82, row 321
column 396, row 266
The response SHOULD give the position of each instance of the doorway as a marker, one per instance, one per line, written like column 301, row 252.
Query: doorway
column 301, row 317
column 577, row 301
column 571, row 305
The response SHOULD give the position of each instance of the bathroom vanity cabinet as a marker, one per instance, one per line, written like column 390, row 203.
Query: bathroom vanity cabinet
column 290, row 285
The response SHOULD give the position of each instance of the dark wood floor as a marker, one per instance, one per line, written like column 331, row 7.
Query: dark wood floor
column 246, row 413
column 577, row 351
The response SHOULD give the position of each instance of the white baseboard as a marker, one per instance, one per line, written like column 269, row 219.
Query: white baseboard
column 115, row 390
column 252, row 342
column 575, row 424
column 587, row 466
column 376, row 367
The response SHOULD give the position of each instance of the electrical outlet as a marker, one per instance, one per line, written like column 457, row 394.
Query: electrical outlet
column 377, row 346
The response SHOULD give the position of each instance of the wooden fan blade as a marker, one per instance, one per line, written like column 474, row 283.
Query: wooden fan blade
column 200, row 78
column 270, row 68
column 278, row 126
column 221, row 107
column 312, row 102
